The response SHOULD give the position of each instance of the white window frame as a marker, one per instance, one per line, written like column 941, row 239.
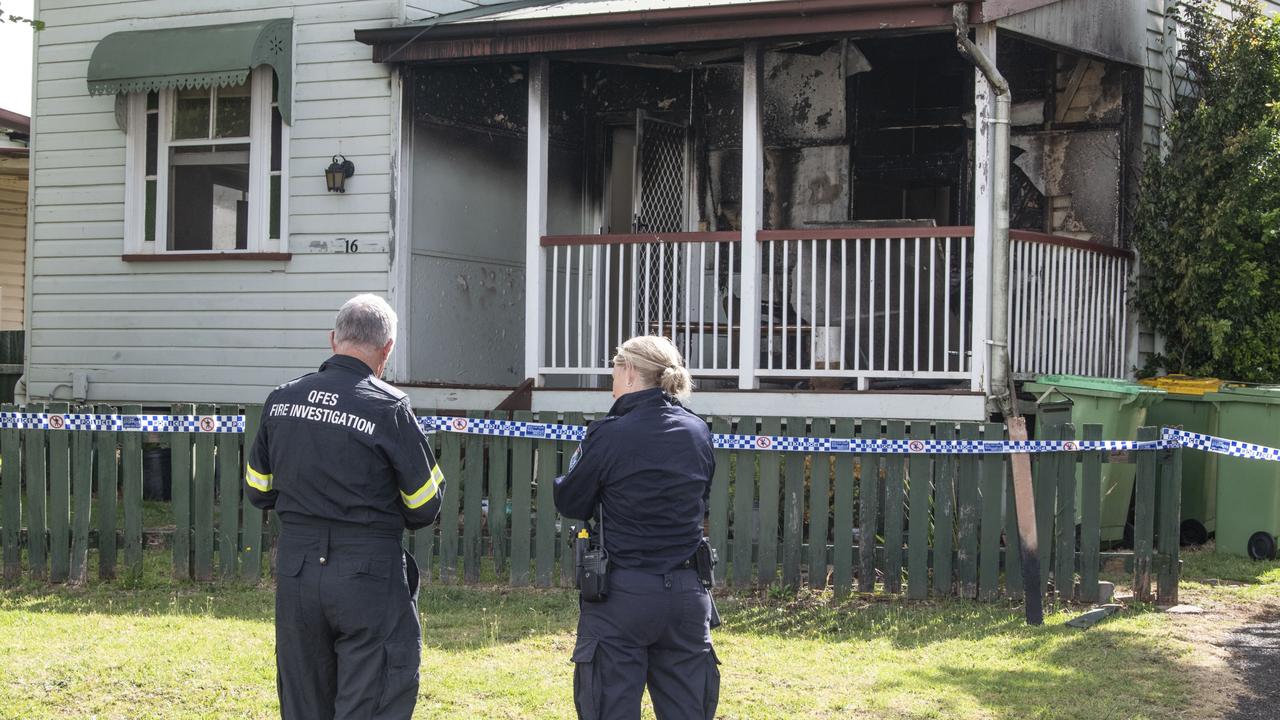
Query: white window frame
column 260, row 172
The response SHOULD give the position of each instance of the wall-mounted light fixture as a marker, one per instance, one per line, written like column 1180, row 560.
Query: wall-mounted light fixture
column 335, row 176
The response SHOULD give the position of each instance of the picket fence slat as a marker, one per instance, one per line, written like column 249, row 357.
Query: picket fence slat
column 894, row 487
column 229, row 482
column 521, row 504
column 1044, row 482
column 919, row 488
column 944, row 515
column 545, row 535
column 718, row 509
column 82, row 502
column 967, row 521
column 1144, row 517
column 202, row 502
column 11, row 496
column 991, row 485
column 131, row 495
column 1065, row 521
column 770, row 471
column 37, row 504
column 108, row 489
column 793, row 507
column 869, row 509
column 251, row 543
column 819, row 507
column 1090, row 516
column 181, row 472
column 450, row 504
column 568, row 526
column 473, row 496
column 842, row 515
column 744, row 503
column 59, row 499
column 1168, row 514
column 498, row 516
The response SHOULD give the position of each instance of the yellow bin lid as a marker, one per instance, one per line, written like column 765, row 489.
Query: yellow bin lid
column 1184, row 384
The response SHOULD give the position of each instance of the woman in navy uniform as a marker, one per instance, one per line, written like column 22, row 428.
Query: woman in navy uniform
column 645, row 470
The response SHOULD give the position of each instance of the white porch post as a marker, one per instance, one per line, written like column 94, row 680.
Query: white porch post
column 535, row 217
column 983, row 213
column 752, row 215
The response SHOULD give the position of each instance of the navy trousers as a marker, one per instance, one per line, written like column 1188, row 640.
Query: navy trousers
column 348, row 642
column 654, row 630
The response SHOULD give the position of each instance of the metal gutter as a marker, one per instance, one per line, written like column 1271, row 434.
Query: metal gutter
column 651, row 27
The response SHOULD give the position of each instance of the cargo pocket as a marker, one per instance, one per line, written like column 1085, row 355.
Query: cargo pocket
column 586, row 692
column 711, row 695
column 400, row 674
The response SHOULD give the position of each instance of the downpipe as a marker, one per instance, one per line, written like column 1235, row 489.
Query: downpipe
column 1000, row 396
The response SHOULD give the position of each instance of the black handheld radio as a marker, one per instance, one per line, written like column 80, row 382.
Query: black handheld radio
column 592, row 560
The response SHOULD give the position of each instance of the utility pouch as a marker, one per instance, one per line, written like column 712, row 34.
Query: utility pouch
column 705, row 558
column 592, row 562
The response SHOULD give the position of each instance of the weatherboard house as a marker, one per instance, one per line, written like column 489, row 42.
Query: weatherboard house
column 807, row 196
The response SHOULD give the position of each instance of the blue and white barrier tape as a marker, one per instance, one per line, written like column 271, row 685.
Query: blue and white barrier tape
column 1170, row 437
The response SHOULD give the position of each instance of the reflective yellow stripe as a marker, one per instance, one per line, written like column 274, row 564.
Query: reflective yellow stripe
column 256, row 480
column 426, row 492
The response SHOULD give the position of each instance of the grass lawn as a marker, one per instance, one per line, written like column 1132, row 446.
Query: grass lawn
column 156, row 649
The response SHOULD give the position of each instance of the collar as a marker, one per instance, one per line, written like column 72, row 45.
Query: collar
column 649, row 397
column 346, row 362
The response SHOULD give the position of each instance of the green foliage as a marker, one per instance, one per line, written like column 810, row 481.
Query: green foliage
column 35, row 24
column 1208, row 219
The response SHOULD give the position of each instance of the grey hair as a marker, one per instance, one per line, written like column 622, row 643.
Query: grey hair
column 365, row 320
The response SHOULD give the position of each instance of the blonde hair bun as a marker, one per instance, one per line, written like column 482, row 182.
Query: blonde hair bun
column 658, row 362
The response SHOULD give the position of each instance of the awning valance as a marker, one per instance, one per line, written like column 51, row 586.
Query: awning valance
column 193, row 57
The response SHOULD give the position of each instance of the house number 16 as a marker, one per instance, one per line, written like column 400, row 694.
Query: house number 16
column 350, row 246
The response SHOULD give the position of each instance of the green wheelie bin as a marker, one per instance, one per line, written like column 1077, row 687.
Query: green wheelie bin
column 1248, row 489
column 1120, row 407
column 1187, row 406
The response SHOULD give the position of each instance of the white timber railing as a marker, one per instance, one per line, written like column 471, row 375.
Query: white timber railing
column 1067, row 306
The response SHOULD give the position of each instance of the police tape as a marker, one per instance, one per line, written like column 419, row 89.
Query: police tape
column 1169, row 437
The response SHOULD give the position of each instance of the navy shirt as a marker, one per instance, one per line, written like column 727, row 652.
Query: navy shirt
column 342, row 446
column 649, row 464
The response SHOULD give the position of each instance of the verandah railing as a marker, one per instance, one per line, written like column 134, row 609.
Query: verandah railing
column 922, row 525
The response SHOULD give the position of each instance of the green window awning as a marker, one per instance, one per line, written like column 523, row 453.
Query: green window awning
column 193, row 57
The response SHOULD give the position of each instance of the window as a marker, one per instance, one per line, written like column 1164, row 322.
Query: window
column 204, row 170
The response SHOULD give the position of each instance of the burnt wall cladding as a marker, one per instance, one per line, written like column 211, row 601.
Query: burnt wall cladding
column 495, row 95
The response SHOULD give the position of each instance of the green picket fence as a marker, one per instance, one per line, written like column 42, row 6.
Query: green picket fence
column 922, row 525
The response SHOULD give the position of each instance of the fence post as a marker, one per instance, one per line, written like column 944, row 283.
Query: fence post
column 545, row 536
column 230, row 480
column 967, row 516
column 744, row 507
column 498, row 465
column 451, row 465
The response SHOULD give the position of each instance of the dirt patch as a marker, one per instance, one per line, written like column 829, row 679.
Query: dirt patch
column 1236, row 658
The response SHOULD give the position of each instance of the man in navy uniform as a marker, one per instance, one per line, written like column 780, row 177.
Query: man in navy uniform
column 341, row 459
